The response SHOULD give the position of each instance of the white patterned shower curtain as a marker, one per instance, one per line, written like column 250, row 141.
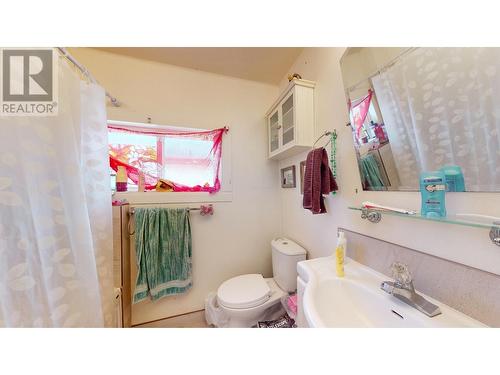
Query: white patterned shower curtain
column 442, row 106
column 55, row 213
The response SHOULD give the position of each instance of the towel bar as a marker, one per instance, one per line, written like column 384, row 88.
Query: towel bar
column 325, row 134
column 132, row 210
column 205, row 210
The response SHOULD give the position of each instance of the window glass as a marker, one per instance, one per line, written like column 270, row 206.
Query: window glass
column 189, row 158
column 185, row 161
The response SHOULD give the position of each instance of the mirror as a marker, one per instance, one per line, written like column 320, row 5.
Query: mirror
column 416, row 110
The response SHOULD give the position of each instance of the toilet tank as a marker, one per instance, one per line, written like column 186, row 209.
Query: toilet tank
column 286, row 254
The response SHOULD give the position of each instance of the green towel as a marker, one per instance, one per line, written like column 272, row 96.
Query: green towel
column 371, row 173
column 163, row 251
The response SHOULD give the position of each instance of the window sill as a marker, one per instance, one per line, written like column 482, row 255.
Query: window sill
column 152, row 197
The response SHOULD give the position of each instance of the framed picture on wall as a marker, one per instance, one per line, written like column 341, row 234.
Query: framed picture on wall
column 288, row 177
column 302, row 171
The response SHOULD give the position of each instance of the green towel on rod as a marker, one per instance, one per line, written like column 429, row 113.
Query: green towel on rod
column 163, row 252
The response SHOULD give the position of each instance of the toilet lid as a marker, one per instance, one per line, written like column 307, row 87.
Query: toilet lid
column 243, row 292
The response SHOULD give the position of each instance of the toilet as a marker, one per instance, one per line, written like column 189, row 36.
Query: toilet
column 249, row 298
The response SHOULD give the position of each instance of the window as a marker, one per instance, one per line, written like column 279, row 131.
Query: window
column 367, row 120
column 140, row 151
column 189, row 159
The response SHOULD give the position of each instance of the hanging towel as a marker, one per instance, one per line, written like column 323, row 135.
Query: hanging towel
column 371, row 173
column 163, row 252
column 318, row 180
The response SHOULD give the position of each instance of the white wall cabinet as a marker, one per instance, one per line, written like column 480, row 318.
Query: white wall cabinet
column 290, row 120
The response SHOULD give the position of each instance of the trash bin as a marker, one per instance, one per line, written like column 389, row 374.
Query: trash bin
column 214, row 315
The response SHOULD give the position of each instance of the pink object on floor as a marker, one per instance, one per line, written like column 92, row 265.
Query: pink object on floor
column 292, row 303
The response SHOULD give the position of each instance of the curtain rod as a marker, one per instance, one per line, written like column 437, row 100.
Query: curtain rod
column 86, row 73
column 147, row 125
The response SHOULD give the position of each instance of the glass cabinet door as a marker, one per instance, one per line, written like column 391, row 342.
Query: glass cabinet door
column 288, row 123
column 274, row 131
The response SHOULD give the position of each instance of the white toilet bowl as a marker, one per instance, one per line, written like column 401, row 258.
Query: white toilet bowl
column 246, row 299
column 250, row 298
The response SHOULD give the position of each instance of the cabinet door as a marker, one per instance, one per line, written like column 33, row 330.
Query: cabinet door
column 274, row 131
column 288, row 121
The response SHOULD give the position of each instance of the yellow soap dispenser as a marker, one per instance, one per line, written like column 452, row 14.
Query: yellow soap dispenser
column 340, row 254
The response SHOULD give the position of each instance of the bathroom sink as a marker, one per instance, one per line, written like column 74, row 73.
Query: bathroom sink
column 357, row 300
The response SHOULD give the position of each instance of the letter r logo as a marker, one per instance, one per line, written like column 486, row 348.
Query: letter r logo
column 27, row 75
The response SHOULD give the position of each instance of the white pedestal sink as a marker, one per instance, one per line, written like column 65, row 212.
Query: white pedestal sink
column 357, row 300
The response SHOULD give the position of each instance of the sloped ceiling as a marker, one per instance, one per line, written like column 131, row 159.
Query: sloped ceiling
column 262, row 64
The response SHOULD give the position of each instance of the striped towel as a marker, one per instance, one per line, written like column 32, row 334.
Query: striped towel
column 163, row 251
column 318, row 180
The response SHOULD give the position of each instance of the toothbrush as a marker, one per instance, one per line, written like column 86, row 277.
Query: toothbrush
column 387, row 208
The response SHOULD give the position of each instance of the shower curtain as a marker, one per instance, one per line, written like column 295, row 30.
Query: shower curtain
column 440, row 106
column 55, row 213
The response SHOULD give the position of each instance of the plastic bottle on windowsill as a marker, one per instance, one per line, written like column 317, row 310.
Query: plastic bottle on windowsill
column 121, row 179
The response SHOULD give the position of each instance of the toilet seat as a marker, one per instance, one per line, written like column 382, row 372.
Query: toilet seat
column 244, row 292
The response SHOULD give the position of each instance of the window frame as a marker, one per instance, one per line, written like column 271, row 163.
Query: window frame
column 225, row 173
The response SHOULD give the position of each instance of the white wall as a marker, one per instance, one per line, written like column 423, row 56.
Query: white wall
column 317, row 233
column 363, row 62
column 236, row 239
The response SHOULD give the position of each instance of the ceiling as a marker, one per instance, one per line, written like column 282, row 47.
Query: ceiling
column 263, row 64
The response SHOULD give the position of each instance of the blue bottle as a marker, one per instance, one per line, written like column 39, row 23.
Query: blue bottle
column 454, row 178
column 433, row 188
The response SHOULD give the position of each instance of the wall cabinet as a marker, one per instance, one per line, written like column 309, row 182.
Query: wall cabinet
column 290, row 120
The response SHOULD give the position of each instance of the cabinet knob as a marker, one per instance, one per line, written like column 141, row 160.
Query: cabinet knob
column 279, row 127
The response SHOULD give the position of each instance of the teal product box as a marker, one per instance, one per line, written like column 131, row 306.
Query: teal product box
column 454, row 178
column 433, row 189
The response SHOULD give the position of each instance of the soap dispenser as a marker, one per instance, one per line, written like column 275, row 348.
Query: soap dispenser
column 340, row 253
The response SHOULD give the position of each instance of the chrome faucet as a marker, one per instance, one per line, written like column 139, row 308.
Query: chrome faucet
column 402, row 288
